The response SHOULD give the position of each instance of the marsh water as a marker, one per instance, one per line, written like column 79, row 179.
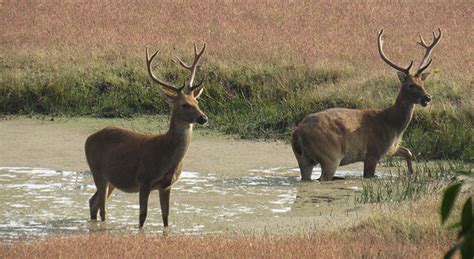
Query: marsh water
column 39, row 202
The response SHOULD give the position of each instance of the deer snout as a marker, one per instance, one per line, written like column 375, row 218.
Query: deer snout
column 425, row 100
column 202, row 119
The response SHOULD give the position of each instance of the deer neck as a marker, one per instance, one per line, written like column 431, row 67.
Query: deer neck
column 179, row 134
column 399, row 115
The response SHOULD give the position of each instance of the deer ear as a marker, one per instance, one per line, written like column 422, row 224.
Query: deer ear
column 169, row 97
column 424, row 76
column 198, row 91
column 401, row 76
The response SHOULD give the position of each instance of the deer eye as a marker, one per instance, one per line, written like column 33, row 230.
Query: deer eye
column 411, row 86
column 186, row 106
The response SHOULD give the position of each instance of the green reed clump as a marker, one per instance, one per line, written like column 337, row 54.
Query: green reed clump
column 401, row 186
column 449, row 138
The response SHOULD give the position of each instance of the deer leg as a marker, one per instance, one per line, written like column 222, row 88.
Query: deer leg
column 403, row 152
column 97, row 201
column 306, row 166
column 144, row 194
column 304, row 162
column 109, row 191
column 102, row 201
column 369, row 168
column 93, row 206
column 165, row 205
column 328, row 170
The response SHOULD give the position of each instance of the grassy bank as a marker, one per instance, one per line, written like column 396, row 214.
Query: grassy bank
column 251, row 101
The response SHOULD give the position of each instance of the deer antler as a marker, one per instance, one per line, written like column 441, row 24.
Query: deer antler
column 192, row 68
column 382, row 54
column 428, row 49
column 150, row 72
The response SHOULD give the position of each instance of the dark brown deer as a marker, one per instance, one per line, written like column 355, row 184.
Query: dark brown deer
column 337, row 136
column 135, row 162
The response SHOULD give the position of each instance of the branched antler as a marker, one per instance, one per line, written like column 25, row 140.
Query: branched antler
column 150, row 72
column 382, row 54
column 193, row 67
column 428, row 49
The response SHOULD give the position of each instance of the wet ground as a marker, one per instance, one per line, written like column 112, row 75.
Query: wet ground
column 254, row 187
column 39, row 202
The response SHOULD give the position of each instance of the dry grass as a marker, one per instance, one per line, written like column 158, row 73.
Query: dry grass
column 320, row 245
column 402, row 231
column 248, row 32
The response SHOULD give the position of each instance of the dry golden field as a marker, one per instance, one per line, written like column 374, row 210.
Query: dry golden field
column 249, row 32
column 318, row 245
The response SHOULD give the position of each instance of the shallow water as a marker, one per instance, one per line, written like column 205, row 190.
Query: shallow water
column 38, row 202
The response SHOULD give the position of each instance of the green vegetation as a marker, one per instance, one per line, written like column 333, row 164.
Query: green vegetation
column 401, row 186
column 249, row 101
column 465, row 225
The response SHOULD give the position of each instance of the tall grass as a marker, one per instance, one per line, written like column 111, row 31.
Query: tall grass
column 429, row 178
column 243, row 31
column 330, row 245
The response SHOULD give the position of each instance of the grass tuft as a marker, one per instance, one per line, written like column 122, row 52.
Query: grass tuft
column 401, row 186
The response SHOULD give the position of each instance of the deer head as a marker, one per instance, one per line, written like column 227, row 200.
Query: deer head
column 183, row 100
column 412, row 84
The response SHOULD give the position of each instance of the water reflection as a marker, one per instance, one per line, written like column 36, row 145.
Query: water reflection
column 38, row 202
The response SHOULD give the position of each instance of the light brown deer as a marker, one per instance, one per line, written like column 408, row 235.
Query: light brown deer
column 337, row 136
column 135, row 162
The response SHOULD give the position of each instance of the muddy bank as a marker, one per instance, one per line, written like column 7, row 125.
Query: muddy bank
column 59, row 144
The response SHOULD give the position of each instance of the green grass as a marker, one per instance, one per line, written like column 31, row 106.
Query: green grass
column 429, row 178
column 251, row 101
